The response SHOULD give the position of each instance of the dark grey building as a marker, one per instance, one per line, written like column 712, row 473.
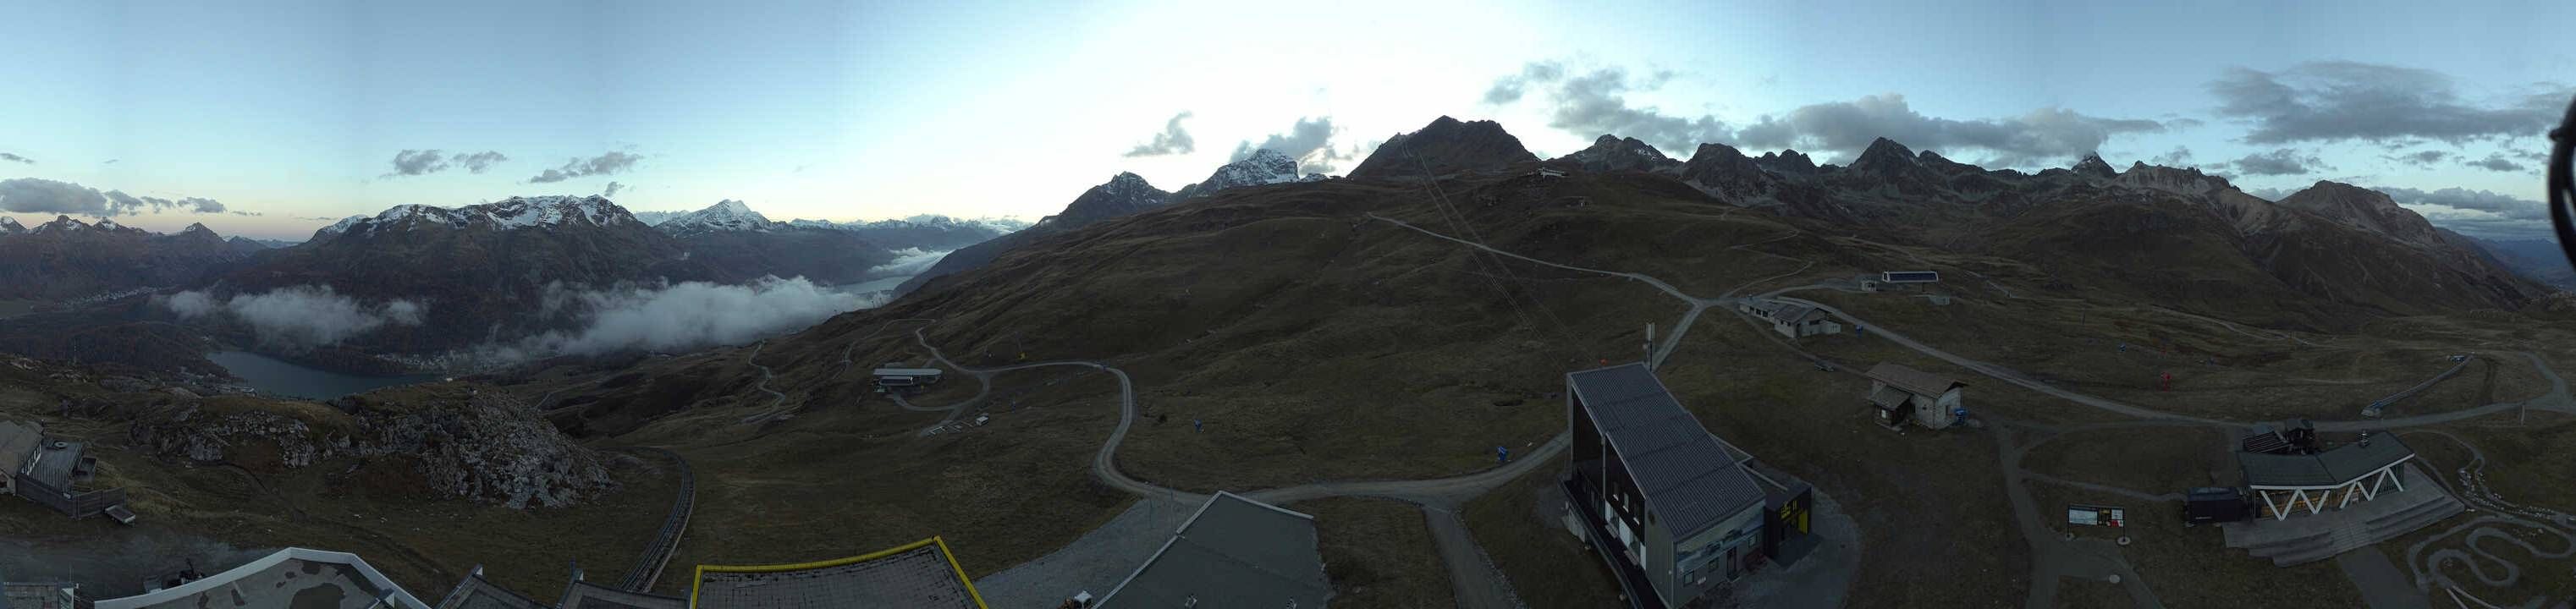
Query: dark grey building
column 1673, row 509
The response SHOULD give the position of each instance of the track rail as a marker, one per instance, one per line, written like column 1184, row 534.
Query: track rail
column 657, row 555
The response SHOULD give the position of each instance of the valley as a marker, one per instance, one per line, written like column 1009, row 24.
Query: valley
column 1361, row 347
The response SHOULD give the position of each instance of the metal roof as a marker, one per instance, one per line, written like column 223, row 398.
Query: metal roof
column 1889, row 397
column 1913, row 381
column 2331, row 468
column 1689, row 477
column 907, row 372
column 1235, row 552
column 17, row 441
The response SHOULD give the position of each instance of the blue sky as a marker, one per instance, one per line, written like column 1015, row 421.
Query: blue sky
column 297, row 110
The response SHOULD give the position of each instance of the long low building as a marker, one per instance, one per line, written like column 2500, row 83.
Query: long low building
column 920, row 574
column 1234, row 552
column 293, row 577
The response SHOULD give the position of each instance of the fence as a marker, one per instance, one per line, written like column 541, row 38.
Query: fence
column 76, row 505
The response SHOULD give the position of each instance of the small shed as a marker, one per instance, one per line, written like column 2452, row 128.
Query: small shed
column 1900, row 393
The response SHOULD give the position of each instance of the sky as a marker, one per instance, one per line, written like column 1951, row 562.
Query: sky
column 271, row 119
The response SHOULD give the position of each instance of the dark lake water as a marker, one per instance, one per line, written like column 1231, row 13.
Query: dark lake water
column 279, row 377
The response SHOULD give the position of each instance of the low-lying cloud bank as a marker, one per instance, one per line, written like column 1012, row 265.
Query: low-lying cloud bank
column 681, row 317
column 909, row 261
column 298, row 316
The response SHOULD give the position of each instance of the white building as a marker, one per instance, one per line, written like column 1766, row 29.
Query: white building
column 1790, row 319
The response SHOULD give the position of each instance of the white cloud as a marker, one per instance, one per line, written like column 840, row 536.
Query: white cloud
column 298, row 316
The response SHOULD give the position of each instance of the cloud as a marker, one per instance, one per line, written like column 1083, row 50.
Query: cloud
column 1595, row 103
column 2420, row 158
column 1173, row 140
column 2044, row 135
column 604, row 164
column 11, row 157
column 39, row 195
column 477, row 162
column 684, row 316
column 423, row 162
column 1310, row 141
column 2480, row 200
column 120, row 203
column 2495, row 162
column 2281, row 162
column 298, row 316
column 2343, row 100
column 1509, row 89
column 247, row 213
column 909, row 261
column 2270, row 193
column 2178, row 157
column 612, row 189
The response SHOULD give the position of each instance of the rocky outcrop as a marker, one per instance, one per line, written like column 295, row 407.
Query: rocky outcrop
column 460, row 441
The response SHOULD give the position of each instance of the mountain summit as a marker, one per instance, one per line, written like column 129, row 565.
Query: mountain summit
column 726, row 215
column 1445, row 146
column 1264, row 166
column 1124, row 194
column 1614, row 153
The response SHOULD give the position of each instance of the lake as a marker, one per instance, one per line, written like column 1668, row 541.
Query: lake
column 279, row 377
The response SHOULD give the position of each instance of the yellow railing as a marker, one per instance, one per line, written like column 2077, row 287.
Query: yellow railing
column 951, row 557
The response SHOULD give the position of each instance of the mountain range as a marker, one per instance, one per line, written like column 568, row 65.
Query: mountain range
column 68, row 258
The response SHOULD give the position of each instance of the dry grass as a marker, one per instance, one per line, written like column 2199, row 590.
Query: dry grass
column 1378, row 554
column 1548, row 567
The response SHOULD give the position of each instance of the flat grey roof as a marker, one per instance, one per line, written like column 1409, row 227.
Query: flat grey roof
column 907, row 372
column 2333, row 467
column 293, row 577
column 1235, row 552
column 17, row 441
column 1913, row 381
column 1689, row 477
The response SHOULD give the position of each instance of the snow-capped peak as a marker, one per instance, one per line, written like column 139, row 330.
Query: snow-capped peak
column 8, row 224
column 196, row 227
column 1264, row 166
column 62, row 224
column 726, row 215
column 107, row 224
column 507, row 214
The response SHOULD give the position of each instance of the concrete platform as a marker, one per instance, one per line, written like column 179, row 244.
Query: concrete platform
column 2306, row 538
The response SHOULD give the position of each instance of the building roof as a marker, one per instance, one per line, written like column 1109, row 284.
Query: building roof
column 1768, row 307
column 907, row 372
column 1798, row 313
column 1913, row 381
column 1889, row 397
column 2331, row 468
column 585, row 595
column 53, row 464
column 920, row 574
column 287, row 578
column 1235, row 552
column 1689, row 477
column 17, row 440
column 474, row 592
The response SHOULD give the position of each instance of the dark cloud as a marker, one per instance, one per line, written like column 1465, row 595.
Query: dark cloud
column 604, row 164
column 477, row 162
column 2420, row 158
column 422, row 162
column 1596, row 103
column 2045, row 135
column 2283, row 162
column 2178, row 157
column 417, row 162
column 1509, row 89
column 1310, row 141
column 613, row 188
column 2495, row 162
column 11, row 157
column 1173, row 140
column 42, row 196
column 119, row 203
column 2343, row 100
